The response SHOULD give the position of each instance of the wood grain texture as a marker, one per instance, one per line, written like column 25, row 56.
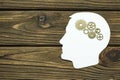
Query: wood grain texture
column 44, row 63
column 25, row 27
column 61, row 4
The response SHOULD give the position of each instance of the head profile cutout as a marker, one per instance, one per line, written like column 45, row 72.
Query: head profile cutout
column 87, row 35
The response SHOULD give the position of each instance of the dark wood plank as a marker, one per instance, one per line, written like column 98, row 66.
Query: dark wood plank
column 61, row 4
column 24, row 28
column 44, row 63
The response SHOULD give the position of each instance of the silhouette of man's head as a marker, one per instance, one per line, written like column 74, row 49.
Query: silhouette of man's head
column 87, row 35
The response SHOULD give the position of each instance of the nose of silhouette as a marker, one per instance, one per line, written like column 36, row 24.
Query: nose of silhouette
column 62, row 39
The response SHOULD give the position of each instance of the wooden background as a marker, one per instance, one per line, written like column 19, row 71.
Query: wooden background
column 30, row 31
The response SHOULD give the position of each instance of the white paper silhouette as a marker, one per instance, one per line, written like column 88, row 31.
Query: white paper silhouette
column 78, row 47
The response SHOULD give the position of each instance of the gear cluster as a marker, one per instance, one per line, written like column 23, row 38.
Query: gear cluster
column 89, row 29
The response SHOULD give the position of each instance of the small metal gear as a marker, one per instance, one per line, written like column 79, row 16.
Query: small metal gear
column 91, row 35
column 85, row 31
column 80, row 24
column 97, row 30
column 91, row 26
column 99, row 36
